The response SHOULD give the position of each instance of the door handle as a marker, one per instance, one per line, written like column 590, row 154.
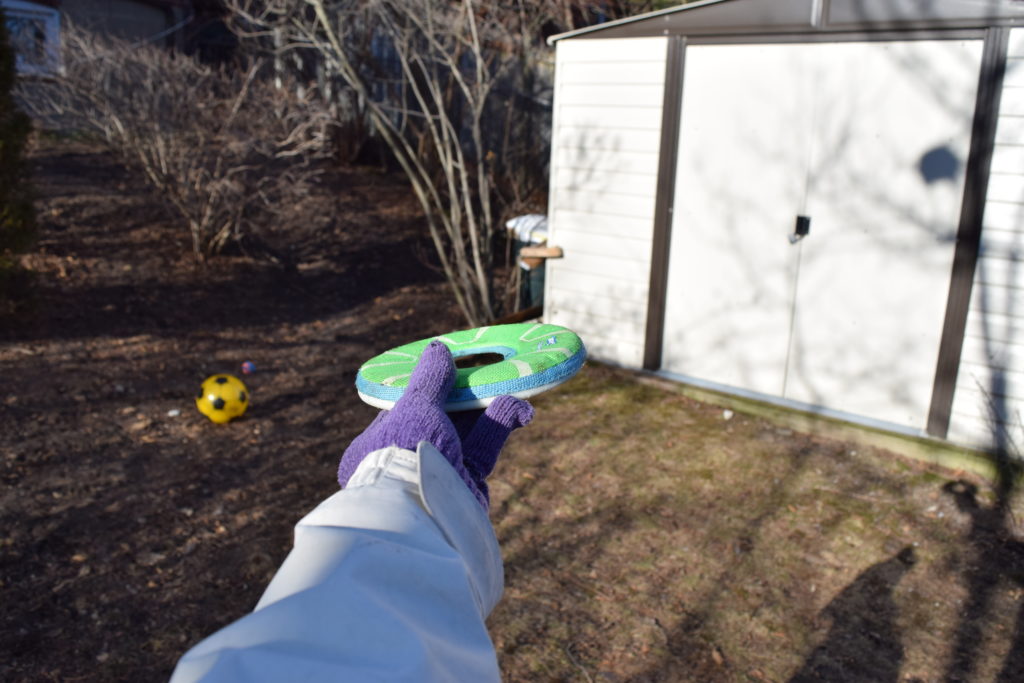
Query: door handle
column 802, row 229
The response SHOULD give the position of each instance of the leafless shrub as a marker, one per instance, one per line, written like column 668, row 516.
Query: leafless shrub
column 426, row 74
column 226, row 148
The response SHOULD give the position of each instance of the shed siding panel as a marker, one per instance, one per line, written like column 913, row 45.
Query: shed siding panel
column 1003, row 216
column 603, row 343
column 603, row 325
column 1006, row 187
column 610, row 267
column 612, row 202
column 998, row 243
column 646, row 118
column 987, row 299
column 627, row 96
column 605, row 314
column 602, row 224
column 995, row 327
column 1015, row 48
column 992, row 361
column 625, row 183
column 628, row 249
column 604, row 165
column 605, row 73
column 1013, row 101
column 612, row 51
column 998, row 273
column 621, row 295
column 1010, row 130
column 1002, row 358
column 610, row 139
column 1015, row 71
column 1007, row 158
column 583, row 161
column 978, row 431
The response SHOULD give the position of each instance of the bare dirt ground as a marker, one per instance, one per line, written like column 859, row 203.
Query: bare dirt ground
column 647, row 537
column 128, row 534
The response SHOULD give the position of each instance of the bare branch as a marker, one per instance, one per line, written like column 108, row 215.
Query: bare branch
column 436, row 81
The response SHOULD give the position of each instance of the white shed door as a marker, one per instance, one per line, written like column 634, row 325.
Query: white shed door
column 870, row 141
column 741, row 178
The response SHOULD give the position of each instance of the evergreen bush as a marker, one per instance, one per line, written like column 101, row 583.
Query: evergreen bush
column 17, row 214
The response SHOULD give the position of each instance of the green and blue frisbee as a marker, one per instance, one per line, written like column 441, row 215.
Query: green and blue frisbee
column 535, row 357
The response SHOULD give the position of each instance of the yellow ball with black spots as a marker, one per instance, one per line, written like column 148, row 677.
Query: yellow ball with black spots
column 222, row 398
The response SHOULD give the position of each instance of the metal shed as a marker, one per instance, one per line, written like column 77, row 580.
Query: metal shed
column 816, row 203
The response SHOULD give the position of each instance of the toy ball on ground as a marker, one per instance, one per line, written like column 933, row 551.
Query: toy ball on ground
column 222, row 398
column 248, row 367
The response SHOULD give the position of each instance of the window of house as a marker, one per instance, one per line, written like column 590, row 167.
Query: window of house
column 34, row 32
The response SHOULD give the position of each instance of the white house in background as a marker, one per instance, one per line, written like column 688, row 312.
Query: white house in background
column 816, row 204
column 35, row 26
column 34, row 30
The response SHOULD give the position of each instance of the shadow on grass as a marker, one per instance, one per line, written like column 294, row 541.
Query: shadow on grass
column 864, row 620
column 552, row 558
column 864, row 615
column 996, row 558
column 690, row 656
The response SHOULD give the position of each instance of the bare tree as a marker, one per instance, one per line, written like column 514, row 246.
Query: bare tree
column 226, row 149
column 425, row 73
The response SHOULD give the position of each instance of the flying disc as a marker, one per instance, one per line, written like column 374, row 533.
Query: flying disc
column 535, row 357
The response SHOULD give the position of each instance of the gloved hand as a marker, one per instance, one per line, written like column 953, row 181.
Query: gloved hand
column 471, row 443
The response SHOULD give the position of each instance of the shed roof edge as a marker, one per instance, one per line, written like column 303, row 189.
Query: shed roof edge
column 628, row 20
column 822, row 17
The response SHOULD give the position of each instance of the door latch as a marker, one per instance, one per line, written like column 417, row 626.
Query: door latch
column 802, row 229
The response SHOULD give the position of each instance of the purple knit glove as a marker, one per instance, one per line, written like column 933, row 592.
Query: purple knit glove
column 472, row 447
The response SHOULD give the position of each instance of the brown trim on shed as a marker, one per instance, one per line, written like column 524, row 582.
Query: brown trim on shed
column 797, row 33
column 671, row 111
column 968, row 238
column 839, row 37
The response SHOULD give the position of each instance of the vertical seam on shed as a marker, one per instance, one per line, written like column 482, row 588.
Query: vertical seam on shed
column 968, row 238
column 547, row 296
column 664, row 202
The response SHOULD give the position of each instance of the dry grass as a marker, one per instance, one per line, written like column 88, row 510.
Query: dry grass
column 649, row 537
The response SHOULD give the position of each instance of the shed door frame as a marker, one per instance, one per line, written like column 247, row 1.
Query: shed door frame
column 972, row 207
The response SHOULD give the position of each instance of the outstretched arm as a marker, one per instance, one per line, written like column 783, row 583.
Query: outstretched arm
column 393, row 577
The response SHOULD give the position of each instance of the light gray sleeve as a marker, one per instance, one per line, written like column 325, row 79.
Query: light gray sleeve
column 390, row 579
